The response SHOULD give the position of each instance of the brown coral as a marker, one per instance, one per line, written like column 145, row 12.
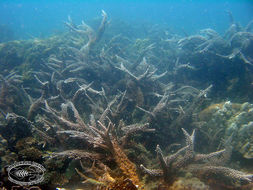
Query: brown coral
column 127, row 167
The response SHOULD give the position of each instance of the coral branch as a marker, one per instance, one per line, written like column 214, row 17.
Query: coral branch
column 185, row 158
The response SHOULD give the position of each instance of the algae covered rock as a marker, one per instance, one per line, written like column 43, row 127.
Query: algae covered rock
column 28, row 149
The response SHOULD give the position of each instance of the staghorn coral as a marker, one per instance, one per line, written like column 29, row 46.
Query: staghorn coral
column 82, row 57
column 186, row 158
column 91, row 133
column 157, row 75
column 129, row 175
column 99, row 135
column 147, row 75
column 127, row 167
column 12, row 98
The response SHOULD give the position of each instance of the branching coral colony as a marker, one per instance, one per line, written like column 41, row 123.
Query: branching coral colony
column 96, row 106
column 206, row 166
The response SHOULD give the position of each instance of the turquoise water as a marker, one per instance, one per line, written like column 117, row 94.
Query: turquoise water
column 41, row 18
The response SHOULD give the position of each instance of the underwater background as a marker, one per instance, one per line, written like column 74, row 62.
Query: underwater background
column 42, row 18
column 113, row 95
